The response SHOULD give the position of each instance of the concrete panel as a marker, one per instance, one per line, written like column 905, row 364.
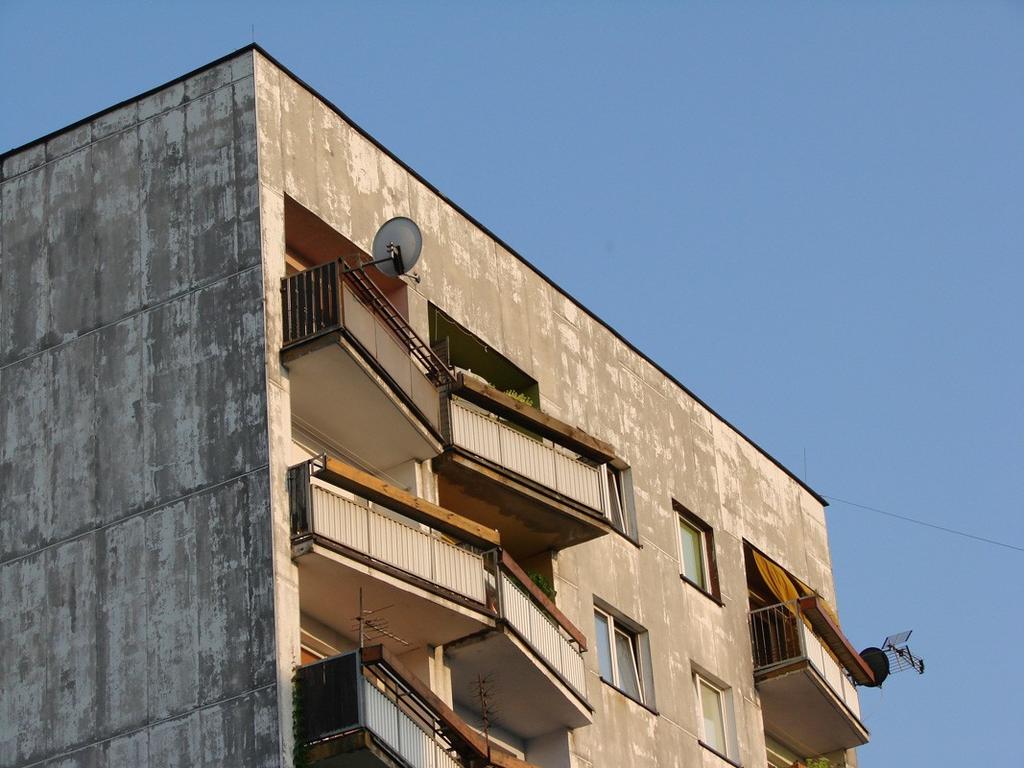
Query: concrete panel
column 70, row 233
column 24, row 296
column 69, row 636
column 175, row 743
column 172, row 631
column 131, row 751
column 25, row 419
column 121, row 656
column 23, row 585
column 72, row 438
column 164, row 214
column 24, row 161
column 120, row 393
column 232, row 555
column 116, row 249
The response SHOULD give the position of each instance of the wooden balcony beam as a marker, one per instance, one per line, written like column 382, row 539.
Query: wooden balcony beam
column 834, row 638
column 376, row 490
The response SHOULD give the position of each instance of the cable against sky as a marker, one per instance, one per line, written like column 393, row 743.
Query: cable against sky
column 954, row 531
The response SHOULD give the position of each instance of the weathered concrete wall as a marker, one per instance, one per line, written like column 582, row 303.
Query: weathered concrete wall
column 677, row 448
column 136, row 587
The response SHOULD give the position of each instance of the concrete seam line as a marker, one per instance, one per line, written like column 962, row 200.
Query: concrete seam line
column 147, row 726
column 143, row 511
column 141, row 311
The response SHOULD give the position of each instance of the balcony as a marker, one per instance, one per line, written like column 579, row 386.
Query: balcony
column 364, row 708
column 449, row 584
column 392, row 549
column 535, row 698
column 508, row 465
column 356, row 368
column 807, row 697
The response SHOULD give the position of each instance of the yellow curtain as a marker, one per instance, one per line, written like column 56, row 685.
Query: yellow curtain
column 778, row 581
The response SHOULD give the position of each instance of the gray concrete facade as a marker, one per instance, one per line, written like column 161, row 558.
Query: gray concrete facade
column 136, row 587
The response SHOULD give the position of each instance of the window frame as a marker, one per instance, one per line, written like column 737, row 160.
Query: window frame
column 729, row 750
column 706, row 539
column 635, row 636
column 618, row 482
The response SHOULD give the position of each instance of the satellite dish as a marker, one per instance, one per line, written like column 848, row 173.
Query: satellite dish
column 878, row 660
column 396, row 246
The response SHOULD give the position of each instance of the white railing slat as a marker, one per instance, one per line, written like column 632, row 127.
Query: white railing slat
column 416, row 551
column 546, row 464
column 542, row 633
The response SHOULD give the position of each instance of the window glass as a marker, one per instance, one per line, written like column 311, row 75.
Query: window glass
column 625, row 658
column 714, row 722
column 692, row 542
column 604, row 650
column 615, row 499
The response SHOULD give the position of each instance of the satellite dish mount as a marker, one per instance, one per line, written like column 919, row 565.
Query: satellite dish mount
column 396, row 247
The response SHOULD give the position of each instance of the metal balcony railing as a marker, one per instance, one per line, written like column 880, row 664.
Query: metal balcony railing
column 314, row 302
column 781, row 636
column 542, row 633
column 342, row 694
column 539, row 460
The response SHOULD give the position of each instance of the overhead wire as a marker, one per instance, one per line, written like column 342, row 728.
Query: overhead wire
column 915, row 521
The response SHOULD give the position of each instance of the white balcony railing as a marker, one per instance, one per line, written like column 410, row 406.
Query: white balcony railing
column 401, row 733
column 780, row 636
column 542, row 633
column 418, row 551
column 539, row 460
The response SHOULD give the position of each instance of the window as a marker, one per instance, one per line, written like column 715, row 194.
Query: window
column 623, row 655
column 697, row 552
column 620, row 500
column 716, row 717
column 691, row 541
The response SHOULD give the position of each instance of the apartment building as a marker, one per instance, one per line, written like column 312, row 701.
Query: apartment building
column 262, row 507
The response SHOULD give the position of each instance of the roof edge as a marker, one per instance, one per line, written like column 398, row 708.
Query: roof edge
column 362, row 132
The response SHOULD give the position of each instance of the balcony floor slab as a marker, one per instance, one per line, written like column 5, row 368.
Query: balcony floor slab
column 329, row 590
column 530, row 699
column 531, row 519
column 800, row 709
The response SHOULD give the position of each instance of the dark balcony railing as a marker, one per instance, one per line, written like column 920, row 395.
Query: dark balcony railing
column 313, row 302
column 360, row 691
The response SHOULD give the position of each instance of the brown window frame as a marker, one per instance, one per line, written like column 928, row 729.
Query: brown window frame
column 713, row 588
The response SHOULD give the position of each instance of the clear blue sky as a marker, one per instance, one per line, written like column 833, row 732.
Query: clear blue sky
column 810, row 213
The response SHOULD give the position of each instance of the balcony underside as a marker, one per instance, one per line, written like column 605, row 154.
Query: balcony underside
column 358, row 405
column 531, row 700
column 329, row 588
column 800, row 709
column 531, row 518
column 358, row 749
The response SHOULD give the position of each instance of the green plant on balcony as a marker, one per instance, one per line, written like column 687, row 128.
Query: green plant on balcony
column 543, row 583
column 522, row 398
column 300, row 749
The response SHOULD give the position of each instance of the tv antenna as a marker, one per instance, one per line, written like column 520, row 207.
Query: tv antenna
column 373, row 627
column 894, row 656
column 396, row 247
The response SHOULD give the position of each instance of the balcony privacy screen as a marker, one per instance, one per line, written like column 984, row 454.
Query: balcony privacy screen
column 330, row 700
